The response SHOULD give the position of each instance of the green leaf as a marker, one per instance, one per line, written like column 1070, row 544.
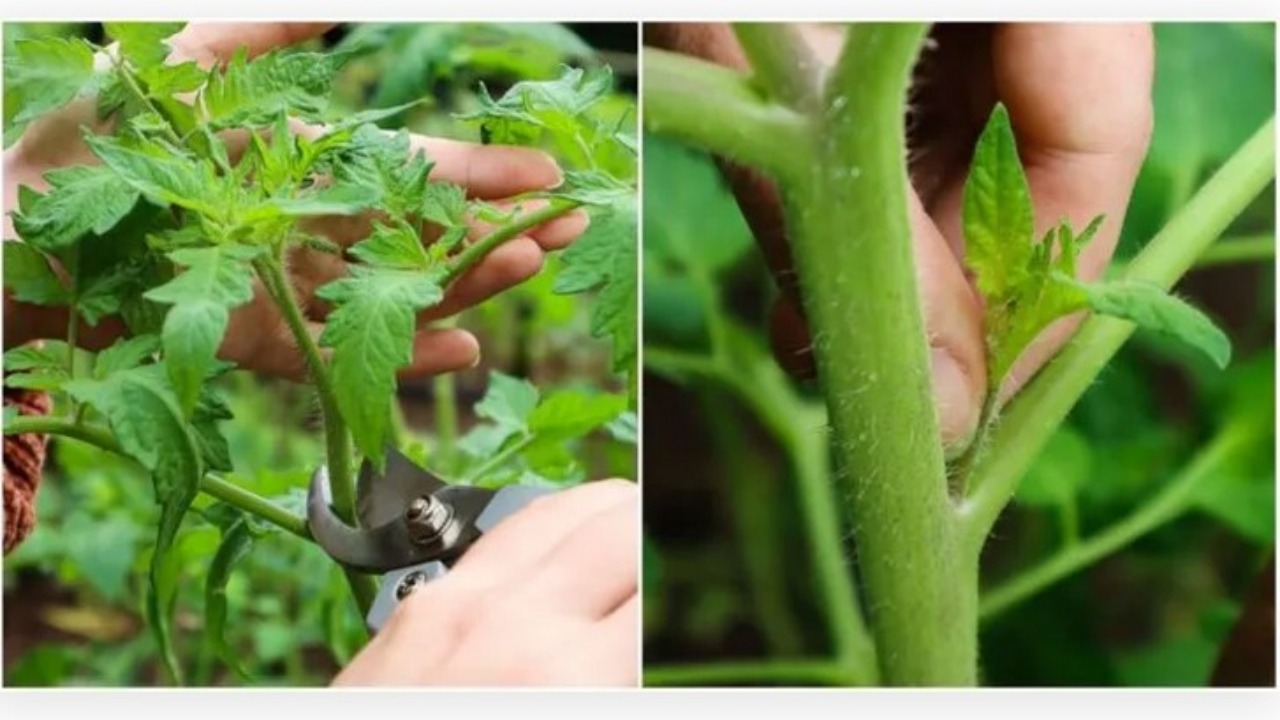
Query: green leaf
column 163, row 177
column 1151, row 308
column 43, row 74
column 371, row 332
column 237, row 540
column 337, row 200
column 29, row 278
column 604, row 258
column 143, row 44
column 568, row 414
column 217, row 280
column 104, row 549
column 396, row 245
column 445, row 204
column 256, row 92
column 555, row 110
column 33, row 367
column 998, row 222
column 508, row 401
column 210, row 411
column 146, row 420
column 1247, row 505
column 81, row 199
column 386, row 164
column 125, row 354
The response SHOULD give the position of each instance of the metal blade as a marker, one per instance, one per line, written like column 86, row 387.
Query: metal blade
column 381, row 498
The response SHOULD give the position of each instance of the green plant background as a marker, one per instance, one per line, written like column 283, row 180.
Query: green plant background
column 73, row 591
column 728, row 574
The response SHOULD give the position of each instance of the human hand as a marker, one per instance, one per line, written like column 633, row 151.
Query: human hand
column 1080, row 99
column 257, row 337
column 548, row 598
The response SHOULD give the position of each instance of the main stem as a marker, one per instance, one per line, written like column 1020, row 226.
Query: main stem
column 852, row 242
column 337, row 439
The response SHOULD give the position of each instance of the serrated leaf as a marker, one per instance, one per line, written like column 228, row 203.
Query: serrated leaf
column 256, row 92
column 998, row 220
column 237, row 540
column 80, row 200
column 508, row 401
column 36, row 357
column 217, row 280
column 163, row 177
column 1150, row 307
column 166, row 80
column 604, row 258
column 211, row 410
column 371, row 332
column 337, row 200
column 383, row 162
column 531, row 111
column 445, row 204
column 143, row 44
column 146, row 420
column 568, row 414
column 395, row 245
column 43, row 74
column 125, row 354
column 28, row 276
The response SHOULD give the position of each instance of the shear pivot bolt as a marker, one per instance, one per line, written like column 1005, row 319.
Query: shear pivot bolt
column 427, row 518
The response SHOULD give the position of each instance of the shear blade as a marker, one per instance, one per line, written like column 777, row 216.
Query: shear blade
column 383, row 497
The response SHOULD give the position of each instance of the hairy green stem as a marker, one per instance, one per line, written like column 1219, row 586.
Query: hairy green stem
column 337, row 440
column 132, row 84
column 1041, row 407
column 211, row 485
column 798, row 425
column 852, row 241
column 719, row 110
column 497, row 461
column 445, row 396
column 476, row 251
column 763, row 672
column 1170, row 503
column 782, row 63
column 254, row 504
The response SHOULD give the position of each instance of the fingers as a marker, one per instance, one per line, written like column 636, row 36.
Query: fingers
column 209, row 43
column 436, row 352
column 489, row 171
column 592, row 571
column 523, row 542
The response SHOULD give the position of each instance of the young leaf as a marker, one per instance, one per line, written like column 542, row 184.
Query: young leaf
column 569, row 414
column 145, row 418
column 1150, row 307
column 42, row 367
column 81, row 199
column 386, row 164
column 143, row 44
column 371, row 332
column 605, row 258
column 508, row 401
column 28, row 276
column 217, row 280
column 43, row 74
column 256, row 92
column 156, row 172
column 532, row 110
column 237, row 540
column 396, row 245
column 998, row 223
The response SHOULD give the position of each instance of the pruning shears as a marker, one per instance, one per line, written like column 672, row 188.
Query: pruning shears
column 411, row 526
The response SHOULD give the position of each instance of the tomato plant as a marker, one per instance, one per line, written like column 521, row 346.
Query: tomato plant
column 201, row 191
column 903, row 602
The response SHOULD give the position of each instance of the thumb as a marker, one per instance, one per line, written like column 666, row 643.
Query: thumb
column 209, row 43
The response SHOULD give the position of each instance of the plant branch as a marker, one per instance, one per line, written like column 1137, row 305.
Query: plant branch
column 798, row 426
column 211, row 485
column 1252, row 248
column 1171, row 502
column 745, row 673
column 132, row 84
column 719, row 110
column 337, row 440
column 1041, row 407
column 782, row 63
column 873, row 361
column 497, row 460
column 476, row 251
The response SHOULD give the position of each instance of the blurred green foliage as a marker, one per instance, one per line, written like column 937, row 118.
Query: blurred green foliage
column 1154, row 613
column 74, row 590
